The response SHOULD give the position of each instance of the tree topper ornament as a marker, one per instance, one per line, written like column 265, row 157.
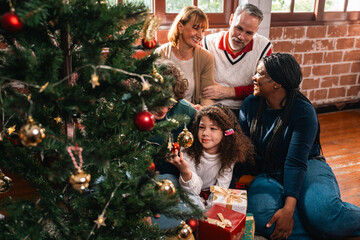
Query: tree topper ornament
column 147, row 34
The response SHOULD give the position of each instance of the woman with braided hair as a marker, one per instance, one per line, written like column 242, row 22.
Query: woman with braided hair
column 295, row 194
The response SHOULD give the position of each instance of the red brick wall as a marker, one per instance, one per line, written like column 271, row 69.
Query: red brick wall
column 329, row 57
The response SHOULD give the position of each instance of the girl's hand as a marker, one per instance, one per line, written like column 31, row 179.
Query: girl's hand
column 181, row 164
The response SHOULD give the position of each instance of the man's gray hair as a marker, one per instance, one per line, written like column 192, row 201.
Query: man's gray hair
column 251, row 9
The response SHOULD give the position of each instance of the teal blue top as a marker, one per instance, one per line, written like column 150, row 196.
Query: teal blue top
column 297, row 146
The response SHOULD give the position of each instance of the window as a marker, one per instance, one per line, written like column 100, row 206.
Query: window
column 296, row 12
column 218, row 11
column 353, row 5
column 334, row 5
column 287, row 5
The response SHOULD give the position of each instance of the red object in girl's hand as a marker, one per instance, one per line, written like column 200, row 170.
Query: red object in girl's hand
column 176, row 146
column 152, row 166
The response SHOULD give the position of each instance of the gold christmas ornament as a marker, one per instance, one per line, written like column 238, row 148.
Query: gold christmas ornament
column 31, row 134
column 5, row 183
column 185, row 138
column 80, row 180
column 166, row 185
column 157, row 76
column 185, row 232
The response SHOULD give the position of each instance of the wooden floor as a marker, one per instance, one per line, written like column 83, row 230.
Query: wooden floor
column 340, row 139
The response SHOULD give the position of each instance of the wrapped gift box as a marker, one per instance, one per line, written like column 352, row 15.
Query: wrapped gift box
column 249, row 227
column 233, row 199
column 209, row 229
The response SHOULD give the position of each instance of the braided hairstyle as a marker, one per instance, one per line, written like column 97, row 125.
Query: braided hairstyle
column 285, row 70
column 233, row 148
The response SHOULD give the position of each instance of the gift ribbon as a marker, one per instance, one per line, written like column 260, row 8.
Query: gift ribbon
column 220, row 223
column 230, row 195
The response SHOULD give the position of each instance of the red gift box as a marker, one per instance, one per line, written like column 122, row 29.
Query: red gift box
column 208, row 231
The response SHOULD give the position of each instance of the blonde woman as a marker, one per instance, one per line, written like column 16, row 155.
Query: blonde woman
column 184, row 50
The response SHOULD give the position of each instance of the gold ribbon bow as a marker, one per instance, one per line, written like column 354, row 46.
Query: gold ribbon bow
column 220, row 223
column 230, row 195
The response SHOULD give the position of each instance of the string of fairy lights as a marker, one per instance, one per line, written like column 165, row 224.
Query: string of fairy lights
column 94, row 81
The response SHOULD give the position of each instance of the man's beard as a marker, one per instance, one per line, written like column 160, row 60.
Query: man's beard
column 236, row 47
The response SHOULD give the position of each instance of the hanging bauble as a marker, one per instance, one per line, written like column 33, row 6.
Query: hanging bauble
column 149, row 44
column 166, row 185
column 5, row 183
column 148, row 32
column 31, row 134
column 144, row 121
column 193, row 223
column 80, row 180
column 10, row 22
column 184, row 232
column 152, row 166
column 185, row 138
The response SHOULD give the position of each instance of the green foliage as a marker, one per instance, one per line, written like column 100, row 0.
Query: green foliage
column 280, row 5
column 213, row 6
column 304, row 6
column 115, row 152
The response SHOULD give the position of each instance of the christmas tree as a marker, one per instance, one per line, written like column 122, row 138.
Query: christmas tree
column 75, row 122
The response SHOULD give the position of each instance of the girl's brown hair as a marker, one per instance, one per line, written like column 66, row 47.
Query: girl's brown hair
column 184, row 17
column 233, row 148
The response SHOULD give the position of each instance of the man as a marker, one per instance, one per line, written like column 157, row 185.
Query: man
column 236, row 54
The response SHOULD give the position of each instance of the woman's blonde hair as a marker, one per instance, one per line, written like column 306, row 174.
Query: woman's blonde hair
column 184, row 17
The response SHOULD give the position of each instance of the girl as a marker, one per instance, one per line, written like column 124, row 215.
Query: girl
column 184, row 50
column 218, row 144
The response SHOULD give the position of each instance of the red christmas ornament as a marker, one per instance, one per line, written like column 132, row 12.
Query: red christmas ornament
column 193, row 223
column 149, row 44
column 176, row 146
column 144, row 121
column 10, row 22
column 152, row 166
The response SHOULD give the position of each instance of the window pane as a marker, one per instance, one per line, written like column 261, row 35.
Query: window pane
column 304, row 6
column 280, row 6
column 353, row 5
column 148, row 3
column 211, row 6
column 111, row 2
column 334, row 5
column 174, row 6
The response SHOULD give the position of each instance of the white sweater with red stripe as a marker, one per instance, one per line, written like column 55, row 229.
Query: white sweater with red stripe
column 238, row 71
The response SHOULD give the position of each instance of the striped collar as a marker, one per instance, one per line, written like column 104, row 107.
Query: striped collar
column 223, row 45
